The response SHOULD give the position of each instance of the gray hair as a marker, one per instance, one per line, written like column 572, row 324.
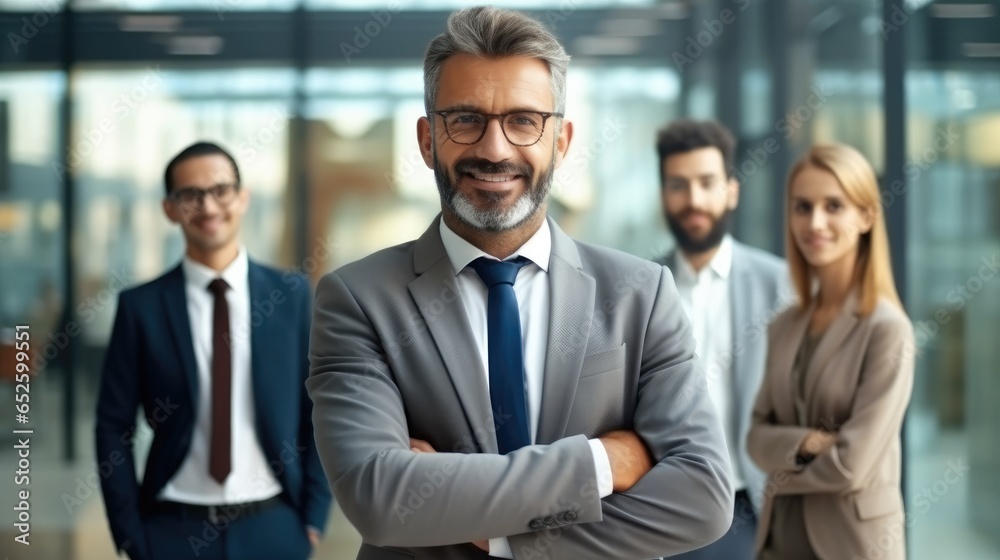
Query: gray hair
column 489, row 32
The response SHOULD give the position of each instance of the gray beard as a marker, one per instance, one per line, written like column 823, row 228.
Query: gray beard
column 493, row 219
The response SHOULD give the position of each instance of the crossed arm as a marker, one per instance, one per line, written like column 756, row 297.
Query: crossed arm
column 841, row 460
column 683, row 502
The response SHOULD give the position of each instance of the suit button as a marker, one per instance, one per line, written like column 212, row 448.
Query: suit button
column 536, row 525
column 569, row 516
column 549, row 521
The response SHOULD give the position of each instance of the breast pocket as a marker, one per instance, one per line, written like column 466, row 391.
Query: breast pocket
column 600, row 405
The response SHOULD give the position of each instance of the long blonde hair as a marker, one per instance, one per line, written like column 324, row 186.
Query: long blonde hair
column 873, row 268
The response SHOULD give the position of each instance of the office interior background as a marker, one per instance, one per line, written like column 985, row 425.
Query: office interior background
column 318, row 100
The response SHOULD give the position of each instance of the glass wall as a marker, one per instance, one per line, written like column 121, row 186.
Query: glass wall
column 953, row 242
column 31, row 221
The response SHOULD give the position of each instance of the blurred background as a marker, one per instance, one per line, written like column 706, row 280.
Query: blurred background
column 318, row 100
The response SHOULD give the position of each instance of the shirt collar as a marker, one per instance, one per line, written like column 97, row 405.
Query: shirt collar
column 236, row 274
column 460, row 252
column 721, row 264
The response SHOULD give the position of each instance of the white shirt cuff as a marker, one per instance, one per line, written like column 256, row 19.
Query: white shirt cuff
column 500, row 548
column 602, row 466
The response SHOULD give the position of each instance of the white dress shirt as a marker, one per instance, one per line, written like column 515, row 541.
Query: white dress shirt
column 250, row 478
column 705, row 295
column 531, row 287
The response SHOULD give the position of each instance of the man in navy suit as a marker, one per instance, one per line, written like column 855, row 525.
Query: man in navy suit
column 216, row 353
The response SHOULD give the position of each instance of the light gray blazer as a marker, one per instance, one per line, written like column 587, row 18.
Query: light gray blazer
column 759, row 289
column 393, row 357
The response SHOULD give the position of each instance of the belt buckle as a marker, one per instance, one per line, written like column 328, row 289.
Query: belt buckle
column 213, row 515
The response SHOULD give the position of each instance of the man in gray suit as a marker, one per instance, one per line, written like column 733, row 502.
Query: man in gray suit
column 731, row 293
column 495, row 388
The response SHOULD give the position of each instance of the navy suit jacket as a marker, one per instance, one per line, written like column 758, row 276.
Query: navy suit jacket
column 150, row 362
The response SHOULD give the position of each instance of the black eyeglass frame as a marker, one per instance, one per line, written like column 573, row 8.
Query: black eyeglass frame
column 214, row 191
column 500, row 118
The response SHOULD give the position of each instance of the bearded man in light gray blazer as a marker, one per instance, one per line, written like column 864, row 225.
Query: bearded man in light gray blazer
column 495, row 388
column 731, row 293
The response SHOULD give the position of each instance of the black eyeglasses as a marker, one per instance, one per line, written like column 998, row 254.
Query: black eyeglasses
column 223, row 193
column 521, row 128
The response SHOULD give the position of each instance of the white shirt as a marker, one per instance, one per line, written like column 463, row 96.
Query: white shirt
column 531, row 287
column 705, row 295
column 250, row 478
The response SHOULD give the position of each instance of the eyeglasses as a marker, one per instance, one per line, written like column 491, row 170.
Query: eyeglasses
column 521, row 128
column 223, row 193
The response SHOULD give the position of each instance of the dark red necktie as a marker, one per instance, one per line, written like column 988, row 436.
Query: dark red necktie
column 220, row 462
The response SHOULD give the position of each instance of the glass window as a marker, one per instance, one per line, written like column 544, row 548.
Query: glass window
column 953, row 200
column 32, row 281
column 31, row 234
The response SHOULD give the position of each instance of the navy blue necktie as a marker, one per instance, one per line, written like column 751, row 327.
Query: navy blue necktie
column 506, row 362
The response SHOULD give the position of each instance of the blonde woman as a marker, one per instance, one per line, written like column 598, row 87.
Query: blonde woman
column 826, row 423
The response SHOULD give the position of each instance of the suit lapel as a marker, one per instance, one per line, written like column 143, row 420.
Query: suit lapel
column 175, row 306
column 449, row 327
column 739, row 301
column 571, row 302
column 259, row 337
column 786, row 344
column 828, row 346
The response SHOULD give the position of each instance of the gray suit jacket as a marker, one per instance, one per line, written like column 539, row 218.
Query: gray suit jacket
column 393, row 357
column 759, row 289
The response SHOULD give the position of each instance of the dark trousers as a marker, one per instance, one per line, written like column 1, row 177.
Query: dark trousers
column 737, row 543
column 276, row 532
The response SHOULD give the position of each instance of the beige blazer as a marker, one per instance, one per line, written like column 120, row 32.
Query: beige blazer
column 858, row 385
